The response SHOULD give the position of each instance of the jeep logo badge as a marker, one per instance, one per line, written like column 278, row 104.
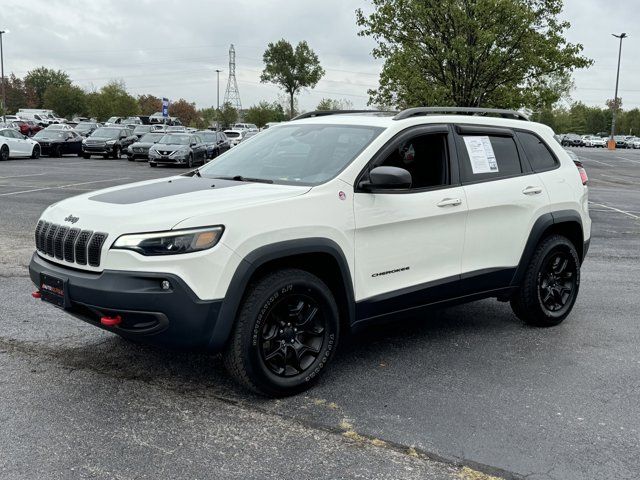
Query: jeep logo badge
column 71, row 219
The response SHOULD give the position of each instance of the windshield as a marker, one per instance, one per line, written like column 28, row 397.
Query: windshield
column 294, row 154
column 49, row 134
column 208, row 136
column 112, row 119
column 151, row 137
column 175, row 139
column 106, row 133
column 85, row 126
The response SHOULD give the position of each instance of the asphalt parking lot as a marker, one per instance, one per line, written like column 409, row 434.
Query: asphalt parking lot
column 466, row 386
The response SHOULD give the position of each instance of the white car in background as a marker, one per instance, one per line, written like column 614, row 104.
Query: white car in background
column 594, row 141
column 13, row 144
column 235, row 136
column 245, row 126
column 59, row 126
column 636, row 143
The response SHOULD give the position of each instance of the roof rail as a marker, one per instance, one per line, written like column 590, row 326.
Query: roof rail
column 412, row 112
column 323, row 113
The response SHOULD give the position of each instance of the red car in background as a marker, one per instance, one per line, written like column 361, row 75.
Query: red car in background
column 29, row 128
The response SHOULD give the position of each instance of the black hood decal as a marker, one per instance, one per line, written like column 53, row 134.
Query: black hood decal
column 168, row 188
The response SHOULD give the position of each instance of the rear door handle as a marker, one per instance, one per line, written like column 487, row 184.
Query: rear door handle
column 532, row 190
column 449, row 202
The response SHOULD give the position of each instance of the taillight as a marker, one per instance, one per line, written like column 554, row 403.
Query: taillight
column 582, row 171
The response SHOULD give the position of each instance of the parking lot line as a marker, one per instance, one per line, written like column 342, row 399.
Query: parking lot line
column 20, row 176
column 616, row 210
column 627, row 159
column 63, row 186
column 597, row 161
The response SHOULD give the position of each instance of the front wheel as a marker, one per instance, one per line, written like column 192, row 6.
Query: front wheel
column 116, row 152
column 86, row 155
column 550, row 285
column 285, row 334
column 4, row 153
column 35, row 153
column 190, row 161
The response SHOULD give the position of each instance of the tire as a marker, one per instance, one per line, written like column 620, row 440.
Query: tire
column 86, row 156
column 285, row 334
column 55, row 152
column 116, row 152
column 153, row 164
column 131, row 159
column 550, row 285
column 190, row 161
column 4, row 153
column 35, row 153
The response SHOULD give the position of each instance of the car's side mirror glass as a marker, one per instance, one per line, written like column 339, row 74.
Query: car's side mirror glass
column 387, row 178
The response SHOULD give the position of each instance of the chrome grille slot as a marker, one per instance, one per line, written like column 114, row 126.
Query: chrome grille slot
column 81, row 247
column 94, row 248
column 58, row 242
column 70, row 243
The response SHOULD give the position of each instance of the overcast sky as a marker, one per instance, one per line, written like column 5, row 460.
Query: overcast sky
column 172, row 48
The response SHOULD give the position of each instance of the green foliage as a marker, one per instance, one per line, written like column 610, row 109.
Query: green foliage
column 185, row 111
column 334, row 104
column 490, row 53
column 227, row 115
column 65, row 100
column 111, row 100
column 16, row 94
column 40, row 79
column 263, row 113
column 291, row 69
column 581, row 119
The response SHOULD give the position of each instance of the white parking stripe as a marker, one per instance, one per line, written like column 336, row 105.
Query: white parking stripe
column 20, row 176
column 627, row 159
column 62, row 186
column 598, row 161
column 616, row 210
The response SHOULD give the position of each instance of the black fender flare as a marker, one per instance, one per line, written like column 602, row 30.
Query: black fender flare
column 539, row 227
column 254, row 260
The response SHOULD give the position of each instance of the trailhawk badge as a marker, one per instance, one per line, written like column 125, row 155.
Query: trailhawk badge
column 71, row 219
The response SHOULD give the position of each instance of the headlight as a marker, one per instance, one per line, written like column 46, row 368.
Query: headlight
column 172, row 242
column 180, row 152
column 84, row 140
column 111, row 142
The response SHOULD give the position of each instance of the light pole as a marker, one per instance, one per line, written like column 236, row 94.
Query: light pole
column 218, row 95
column 4, row 98
column 612, row 142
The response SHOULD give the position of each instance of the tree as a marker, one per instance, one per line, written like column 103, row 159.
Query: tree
column 489, row 53
column 111, row 100
column 263, row 113
column 227, row 115
column 16, row 94
column 41, row 78
column 65, row 100
column 333, row 104
column 149, row 104
column 291, row 69
column 185, row 111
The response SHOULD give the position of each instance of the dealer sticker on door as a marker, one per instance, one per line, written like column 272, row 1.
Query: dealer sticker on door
column 481, row 155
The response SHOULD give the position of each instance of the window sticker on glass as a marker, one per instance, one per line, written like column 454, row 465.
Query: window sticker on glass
column 481, row 155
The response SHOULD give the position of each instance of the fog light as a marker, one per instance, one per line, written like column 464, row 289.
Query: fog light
column 166, row 285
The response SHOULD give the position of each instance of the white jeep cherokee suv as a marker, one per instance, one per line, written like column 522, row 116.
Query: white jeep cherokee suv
column 279, row 246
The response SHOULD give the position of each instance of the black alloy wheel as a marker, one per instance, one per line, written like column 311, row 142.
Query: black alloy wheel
column 190, row 161
column 4, row 153
column 35, row 153
column 550, row 285
column 116, row 152
column 56, row 151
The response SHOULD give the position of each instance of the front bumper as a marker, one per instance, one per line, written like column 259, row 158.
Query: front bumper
column 168, row 160
column 174, row 318
column 97, row 149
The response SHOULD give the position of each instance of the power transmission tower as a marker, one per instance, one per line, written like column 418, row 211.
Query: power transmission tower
column 232, row 94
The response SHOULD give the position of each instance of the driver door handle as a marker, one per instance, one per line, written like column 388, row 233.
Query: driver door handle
column 449, row 202
column 532, row 190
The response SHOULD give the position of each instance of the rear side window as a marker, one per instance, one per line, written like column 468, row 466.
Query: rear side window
column 488, row 157
column 537, row 152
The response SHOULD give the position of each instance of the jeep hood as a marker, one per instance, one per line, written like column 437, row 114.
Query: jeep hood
column 163, row 203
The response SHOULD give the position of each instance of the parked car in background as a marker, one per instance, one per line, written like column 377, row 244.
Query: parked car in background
column 140, row 149
column 249, row 134
column 56, row 143
column 140, row 130
column 621, row 141
column 176, row 129
column 270, row 124
column 178, row 149
column 572, row 140
column 108, row 142
column 35, row 117
column 113, row 121
column 159, row 127
column 10, row 118
column 13, row 144
column 59, row 126
column 594, row 141
column 216, row 142
column 630, row 141
column 40, row 115
column 33, row 127
column 12, row 125
column 86, row 128
column 235, row 136
column 245, row 126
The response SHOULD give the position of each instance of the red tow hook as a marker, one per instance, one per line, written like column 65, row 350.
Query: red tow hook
column 36, row 294
column 111, row 321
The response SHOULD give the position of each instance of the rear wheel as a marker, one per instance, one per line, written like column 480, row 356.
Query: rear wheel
column 190, row 161
column 86, row 155
column 116, row 152
column 4, row 152
column 56, row 151
column 35, row 153
column 285, row 334
column 550, row 285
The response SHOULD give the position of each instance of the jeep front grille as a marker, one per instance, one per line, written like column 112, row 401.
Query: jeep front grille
column 70, row 244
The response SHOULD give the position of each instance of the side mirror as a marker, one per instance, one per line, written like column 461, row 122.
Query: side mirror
column 387, row 178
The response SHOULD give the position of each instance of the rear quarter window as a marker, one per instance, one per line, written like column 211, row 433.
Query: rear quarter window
column 503, row 148
column 537, row 152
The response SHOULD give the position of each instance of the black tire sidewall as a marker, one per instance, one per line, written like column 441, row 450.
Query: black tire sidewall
column 2, row 153
column 36, row 151
column 266, row 380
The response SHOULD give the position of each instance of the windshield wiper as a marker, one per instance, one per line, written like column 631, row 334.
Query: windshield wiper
column 240, row 178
